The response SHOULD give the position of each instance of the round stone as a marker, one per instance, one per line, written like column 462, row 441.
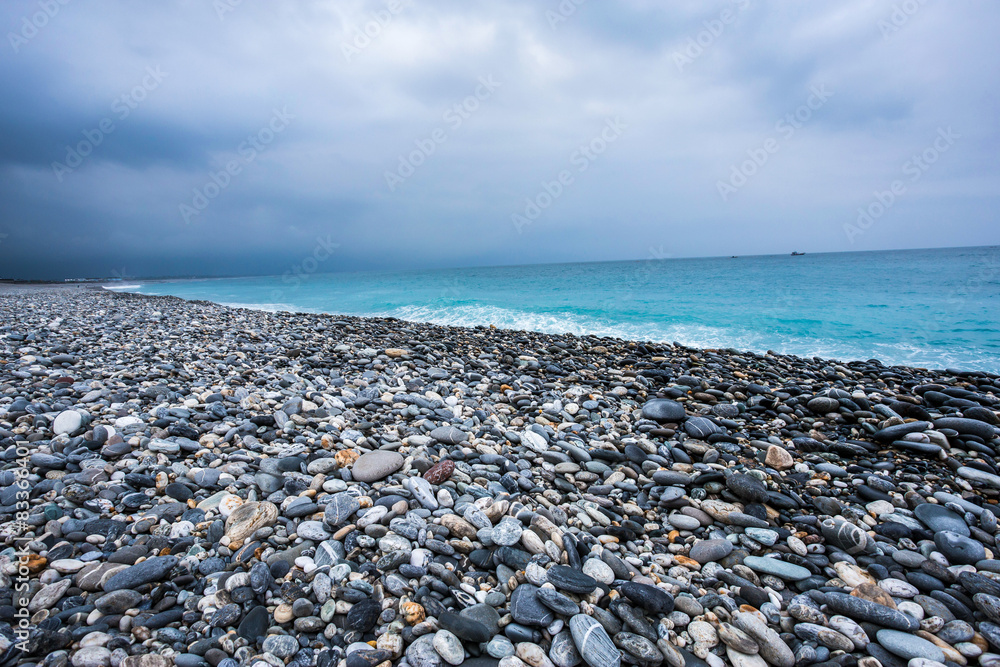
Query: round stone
column 67, row 422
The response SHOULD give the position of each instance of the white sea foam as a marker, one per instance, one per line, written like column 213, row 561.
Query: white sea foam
column 119, row 286
column 692, row 335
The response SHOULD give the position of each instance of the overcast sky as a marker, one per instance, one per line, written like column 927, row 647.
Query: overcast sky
column 239, row 137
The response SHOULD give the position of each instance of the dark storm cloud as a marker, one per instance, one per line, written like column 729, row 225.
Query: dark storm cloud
column 142, row 140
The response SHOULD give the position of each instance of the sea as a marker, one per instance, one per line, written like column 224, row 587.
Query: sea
column 928, row 308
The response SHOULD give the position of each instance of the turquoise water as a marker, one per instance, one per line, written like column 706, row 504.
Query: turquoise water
column 930, row 308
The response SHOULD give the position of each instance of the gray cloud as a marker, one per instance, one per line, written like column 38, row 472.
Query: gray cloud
column 700, row 88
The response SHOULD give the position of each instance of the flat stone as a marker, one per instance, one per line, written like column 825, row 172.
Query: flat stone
column 860, row 609
column 570, row 579
column 638, row 646
column 312, row 530
column 483, row 614
column 148, row 571
column 683, row 521
column 557, row 602
column 747, row 488
column 507, row 533
column 340, row 508
column 664, row 410
column 373, row 466
column 975, row 475
column 534, row 441
column 959, row 550
column 91, row 656
column 778, row 568
column 897, row 432
column 118, row 602
column 648, row 597
column 465, row 628
column 281, row 646
column 423, row 492
column 701, row 427
column 449, row 435
column 909, row 646
column 967, row 427
column 527, row 609
column 254, row 624
column 363, row 616
column 250, row 517
column 708, row 551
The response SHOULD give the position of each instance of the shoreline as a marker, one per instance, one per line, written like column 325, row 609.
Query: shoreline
column 642, row 341
column 5, row 288
column 207, row 485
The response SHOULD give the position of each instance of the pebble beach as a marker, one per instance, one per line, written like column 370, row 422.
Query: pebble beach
column 183, row 483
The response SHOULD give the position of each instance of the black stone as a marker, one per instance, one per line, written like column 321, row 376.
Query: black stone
column 572, row 580
column 648, row 597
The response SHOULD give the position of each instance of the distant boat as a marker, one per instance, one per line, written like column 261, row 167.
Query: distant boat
column 797, row 254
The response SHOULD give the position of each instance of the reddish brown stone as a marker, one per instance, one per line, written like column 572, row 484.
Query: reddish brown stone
column 440, row 471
